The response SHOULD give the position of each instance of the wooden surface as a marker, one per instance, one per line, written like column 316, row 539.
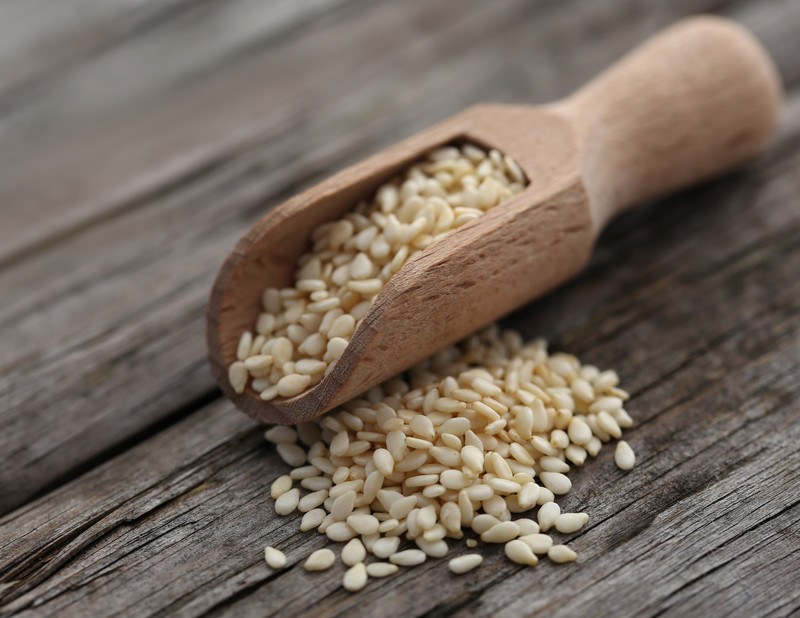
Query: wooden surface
column 140, row 139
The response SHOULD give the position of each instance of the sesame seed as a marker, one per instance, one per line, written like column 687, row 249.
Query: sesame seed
column 556, row 482
column 571, row 522
column 280, row 486
column 409, row 557
column 319, row 560
column 385, row 547
column 539, row 543
column 547, row 515
column 292, row 454
column 464, row 564
column 624, row 456
column 311, row 501
column 275, row 558
column 354, row 552
column 312, row 519
column 286, row 503
column 561, row 553
column 281, row 434
column 501, row 532
column 519, row 552
column 339, row 531
column 355, row 578
column 382, row 569
column 237, row 376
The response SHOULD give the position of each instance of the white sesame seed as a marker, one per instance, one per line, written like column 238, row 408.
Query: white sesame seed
column 556, row 482
column 293, row 384
column 485, row 387
column 561, row 553
column 237, row 376
column 319, row 560
column 624, row 456
column 312, row 519
column 363, row 523
column 343, row 505
column 464, row 564
column 545, row 496
column 402, row 507
column 381, row 569
column 607, row 404
column 275, row 558
column 258, row 364
column 501, row 532
column 281, row 434
column 526, row 526
column 517, row 551
column 539, row 543
column 583, row 390
column 543, row 446
column 481, row 523
column 339, row 531
column 384, row 461
column 504, row 486
column 454, row 479
column 292, row 454
column 280, row 486
column 571, row 522
column 354, row 552
column 553, row 464
column 607, row 423
column 409, row 557
column 547, row 515
column 310, row 366
column 316, row 483
column 287, row 502
column 326, row 523
column 528, row 494
column 385, row 547
column 434, row 549
column 355, row 578
column 312, row 500
column 426, row 517
column 479, row 492
column 245, row 343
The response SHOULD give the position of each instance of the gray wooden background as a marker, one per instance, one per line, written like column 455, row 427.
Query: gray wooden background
column 140, row 138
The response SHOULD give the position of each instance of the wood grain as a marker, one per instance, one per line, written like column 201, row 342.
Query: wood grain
column 153, row 491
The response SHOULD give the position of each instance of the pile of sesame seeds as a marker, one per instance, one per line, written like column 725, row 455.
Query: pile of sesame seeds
column 305, row 328
column 480, row 437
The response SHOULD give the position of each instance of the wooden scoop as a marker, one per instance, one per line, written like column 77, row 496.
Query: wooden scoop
column 697, row 100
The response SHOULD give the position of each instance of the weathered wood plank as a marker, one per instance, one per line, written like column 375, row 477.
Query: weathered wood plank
column 78, row 303
column 174, row 116
column 715, row 438
column 42, row 39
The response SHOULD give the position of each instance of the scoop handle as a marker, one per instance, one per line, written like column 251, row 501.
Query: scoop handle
column 696, row 100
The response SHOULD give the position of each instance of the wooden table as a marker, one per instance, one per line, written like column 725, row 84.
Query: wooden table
column 138, row 140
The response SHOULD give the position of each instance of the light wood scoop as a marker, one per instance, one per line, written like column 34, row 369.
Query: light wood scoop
column 697, row 100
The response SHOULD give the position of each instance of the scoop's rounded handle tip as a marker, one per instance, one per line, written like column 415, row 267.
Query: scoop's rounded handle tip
column 696, row 100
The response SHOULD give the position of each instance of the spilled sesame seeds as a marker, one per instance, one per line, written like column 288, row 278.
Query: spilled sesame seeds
column 481, row 438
